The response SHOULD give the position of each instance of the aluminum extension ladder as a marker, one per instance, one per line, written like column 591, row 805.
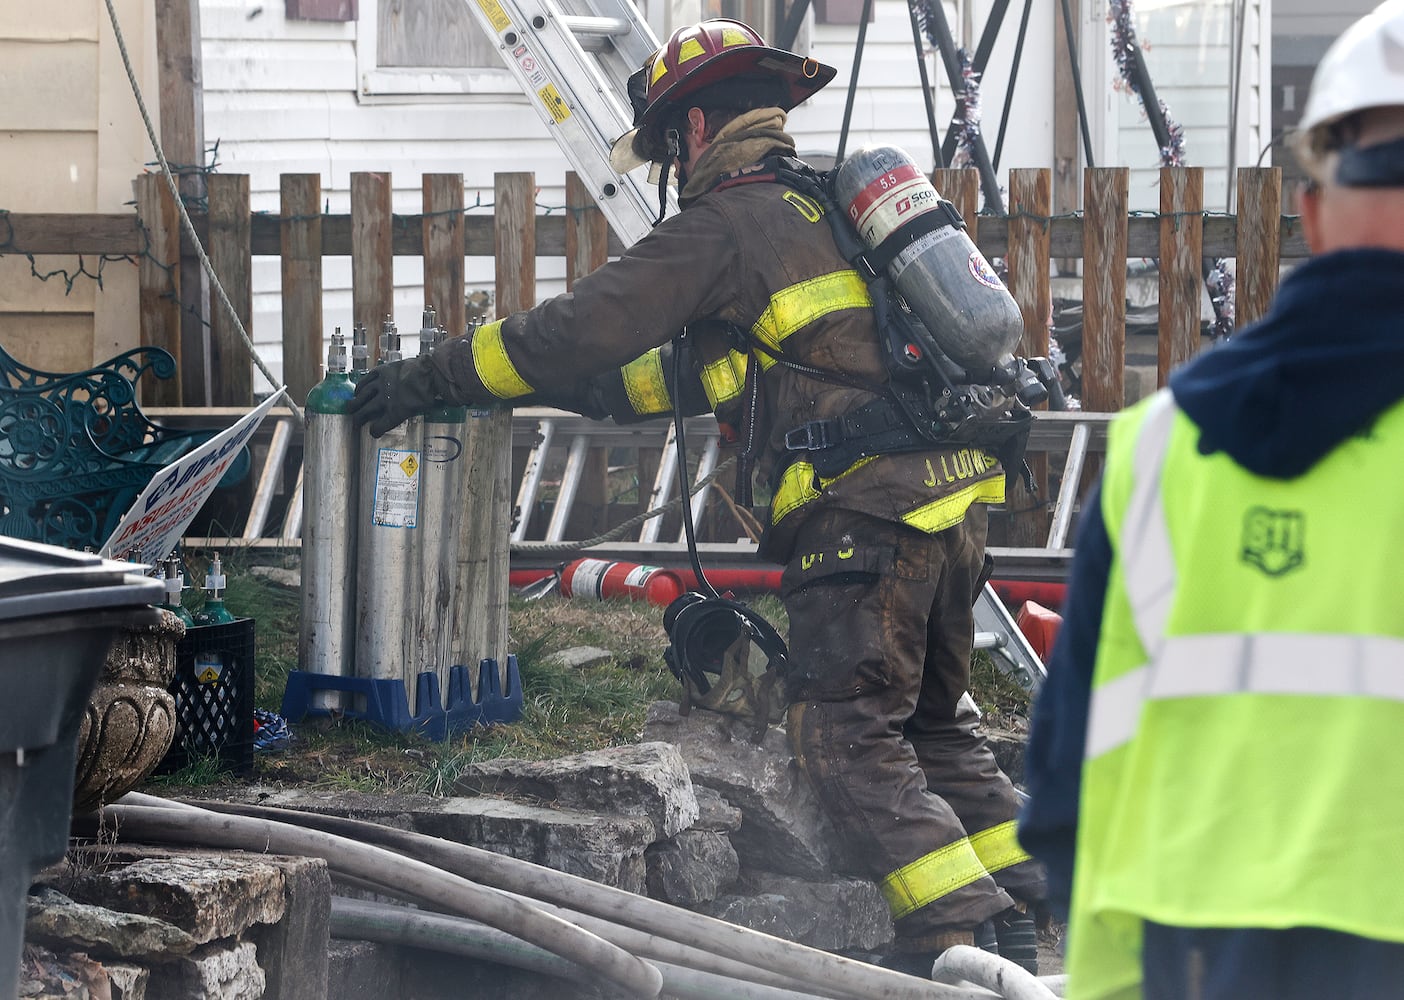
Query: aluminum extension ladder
column 573, row 61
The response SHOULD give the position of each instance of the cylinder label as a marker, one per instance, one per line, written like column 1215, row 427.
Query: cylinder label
column 396, row 502
column 981, row 271
column 588, row 578
column 638, row 576
column 919, row 246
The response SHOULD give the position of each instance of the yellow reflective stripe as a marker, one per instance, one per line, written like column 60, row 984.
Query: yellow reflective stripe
column 998, row 847
column 798, row 486
column 928, row 878
column 724, row 378
column 645, row 385
column 938, row 515
column 798, row 305
column 495, row 369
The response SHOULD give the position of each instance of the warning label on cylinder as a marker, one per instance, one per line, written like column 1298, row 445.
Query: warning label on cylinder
column 396, row 503
column 208, row 667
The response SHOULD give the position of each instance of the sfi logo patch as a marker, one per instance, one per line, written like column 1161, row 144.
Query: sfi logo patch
column 1274, row 540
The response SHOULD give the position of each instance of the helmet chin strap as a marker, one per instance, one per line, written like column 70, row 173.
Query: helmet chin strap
column 675, row 151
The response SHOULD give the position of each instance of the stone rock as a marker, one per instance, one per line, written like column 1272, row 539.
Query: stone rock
column 1008, row 749
column 206, row 894
column 362, row 970
column 129, row 721
column 581, row 657
column 604, row 848
column 782, row 827
column 224, row 971
column 714, row 812
column 53, row 919
column 647, row 779
column 838, row 914
column 692, row 867
column 292, row 952
column 290, row 578
column 126, row 982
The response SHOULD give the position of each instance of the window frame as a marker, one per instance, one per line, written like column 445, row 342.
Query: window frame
column 408, row 83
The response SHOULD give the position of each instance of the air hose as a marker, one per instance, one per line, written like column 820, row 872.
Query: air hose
column 203, row 827
column 809, row 968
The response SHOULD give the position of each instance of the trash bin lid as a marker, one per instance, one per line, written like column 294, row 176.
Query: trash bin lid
column 37, row 579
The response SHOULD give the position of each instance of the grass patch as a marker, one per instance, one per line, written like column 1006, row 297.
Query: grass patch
column 565, row 710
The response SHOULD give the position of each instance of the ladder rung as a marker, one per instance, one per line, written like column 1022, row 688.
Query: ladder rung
column 584, row 26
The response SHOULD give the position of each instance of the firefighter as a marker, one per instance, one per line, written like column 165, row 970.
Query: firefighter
column 1215, row 773
column 883, row 558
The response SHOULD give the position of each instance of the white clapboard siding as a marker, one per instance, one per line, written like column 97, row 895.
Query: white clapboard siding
column 1188, row 49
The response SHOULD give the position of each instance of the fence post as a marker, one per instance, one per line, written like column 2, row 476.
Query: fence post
column 301, row 241
column 1181, row 266
column 962, row 189
column 587, row 247
column 158, row 283
column 1104, row 288
column 444, row 249
column 1259, row 232
column 1029, row 199
column 372, row 255
column 480, row 627
column 232, row 260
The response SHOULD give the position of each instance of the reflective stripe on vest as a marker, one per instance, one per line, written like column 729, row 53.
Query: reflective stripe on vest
column 494, row 368
column 645, row 385
column 1221, row 663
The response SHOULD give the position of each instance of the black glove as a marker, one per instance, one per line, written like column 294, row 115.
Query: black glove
column 391, row 393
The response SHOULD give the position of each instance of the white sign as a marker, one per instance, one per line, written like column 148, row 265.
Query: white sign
column 154, row 523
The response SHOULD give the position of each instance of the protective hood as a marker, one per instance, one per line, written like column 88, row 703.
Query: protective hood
column 1321, row 366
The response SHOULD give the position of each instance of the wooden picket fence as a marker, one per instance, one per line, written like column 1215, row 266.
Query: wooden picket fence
column 1104, row 236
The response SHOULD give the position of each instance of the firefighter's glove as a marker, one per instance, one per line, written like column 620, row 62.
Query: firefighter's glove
column 391, row 393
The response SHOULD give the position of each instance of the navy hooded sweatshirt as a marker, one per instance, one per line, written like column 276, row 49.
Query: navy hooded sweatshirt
column 1321, row 366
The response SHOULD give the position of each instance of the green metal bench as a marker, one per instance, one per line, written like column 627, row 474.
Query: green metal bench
column 76, row 449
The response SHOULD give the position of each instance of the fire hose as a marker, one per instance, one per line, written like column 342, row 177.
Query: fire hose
column 593, row 925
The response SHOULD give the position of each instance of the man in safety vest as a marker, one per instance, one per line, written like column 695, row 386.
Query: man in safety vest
column 1216, row 768
column 883, row 558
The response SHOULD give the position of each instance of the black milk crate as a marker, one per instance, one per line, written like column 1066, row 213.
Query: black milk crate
column 214, row 696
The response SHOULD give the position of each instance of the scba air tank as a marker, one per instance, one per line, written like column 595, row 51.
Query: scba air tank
column 934, row 265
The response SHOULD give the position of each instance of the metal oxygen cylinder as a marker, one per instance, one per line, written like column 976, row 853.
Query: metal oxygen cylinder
column 935, row 266
column 441, row 492
column 327, row 641
column 360, row 352
column 173, row 578
column 386, row 572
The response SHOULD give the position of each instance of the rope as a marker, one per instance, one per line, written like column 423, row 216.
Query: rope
column 627, row 526
column 188, row 225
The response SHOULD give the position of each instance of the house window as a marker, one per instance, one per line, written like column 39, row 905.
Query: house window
column 424, row 47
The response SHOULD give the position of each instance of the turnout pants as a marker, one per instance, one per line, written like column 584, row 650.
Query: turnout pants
column 881, row 627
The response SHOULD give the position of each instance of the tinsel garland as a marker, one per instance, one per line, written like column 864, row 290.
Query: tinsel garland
column 1124, row 47
column 1219, row 281
column 968, row 131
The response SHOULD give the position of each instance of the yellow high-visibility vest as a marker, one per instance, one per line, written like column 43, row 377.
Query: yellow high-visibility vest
column 1245, row 741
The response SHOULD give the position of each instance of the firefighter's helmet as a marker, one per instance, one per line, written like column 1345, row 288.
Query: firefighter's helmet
column 700, row 56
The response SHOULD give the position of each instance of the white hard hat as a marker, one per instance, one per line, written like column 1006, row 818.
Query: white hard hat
column 1363, row 68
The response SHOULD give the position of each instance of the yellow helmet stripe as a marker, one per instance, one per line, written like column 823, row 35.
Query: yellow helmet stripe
column 691, row 48
column 495, row 369
column 645, row 385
